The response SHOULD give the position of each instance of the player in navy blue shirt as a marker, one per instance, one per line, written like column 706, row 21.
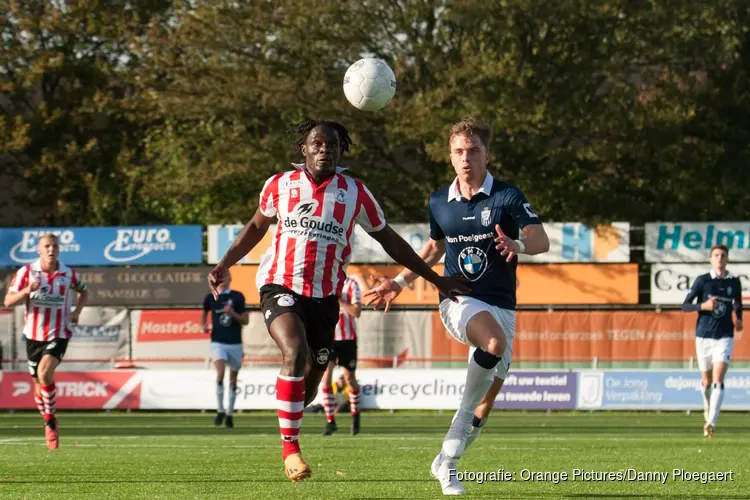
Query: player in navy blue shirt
column 228, row 314
column 718, row 294
column 477, row 223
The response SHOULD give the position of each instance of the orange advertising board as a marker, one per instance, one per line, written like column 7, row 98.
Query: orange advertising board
column 170, row 325
column 621, row 336
column 539, row 284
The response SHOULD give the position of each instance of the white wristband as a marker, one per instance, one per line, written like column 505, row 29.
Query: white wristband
column 521, row 246
column 400, row 281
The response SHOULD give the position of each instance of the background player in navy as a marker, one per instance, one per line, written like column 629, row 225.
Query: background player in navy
column 717, row 292
column 228, row 314
column 467, row 219
column 344, row 355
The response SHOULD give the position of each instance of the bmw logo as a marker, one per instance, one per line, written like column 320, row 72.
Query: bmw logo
column 473, row 262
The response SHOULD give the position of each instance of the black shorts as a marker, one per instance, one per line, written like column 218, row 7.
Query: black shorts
column 345, row 353
column 318, row 315
column 36, row 349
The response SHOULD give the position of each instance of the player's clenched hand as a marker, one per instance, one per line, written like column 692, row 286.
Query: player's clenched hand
column 33, row 287
column 74, row 315
column 709, row 305
column 507, row 246
column 738, row 326
column 451, row 287
column 216, row 276
column 385, row 293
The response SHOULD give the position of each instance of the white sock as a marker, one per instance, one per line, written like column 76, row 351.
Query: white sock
column 220, row 396
column 232, row 398
column 478, row 382
column 706, row 401
column 474, row 433
column 717, row 396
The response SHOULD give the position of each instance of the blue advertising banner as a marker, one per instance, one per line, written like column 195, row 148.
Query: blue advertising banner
column 107, row 246
column 538, row 391
column 657, row 390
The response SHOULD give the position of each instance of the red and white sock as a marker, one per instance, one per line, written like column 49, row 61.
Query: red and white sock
column 39, row 403
column 49, row 398
column 329, row 403
column 354, row 401
column 290, row 398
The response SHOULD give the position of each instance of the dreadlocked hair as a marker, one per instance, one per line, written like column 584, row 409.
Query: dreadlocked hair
column 305, row 127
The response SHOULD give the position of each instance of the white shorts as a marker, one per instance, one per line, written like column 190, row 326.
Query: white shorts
column 710, row 351
column 230, row 353
column 456, row 316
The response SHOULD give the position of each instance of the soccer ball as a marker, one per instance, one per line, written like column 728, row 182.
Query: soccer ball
column 369, row 84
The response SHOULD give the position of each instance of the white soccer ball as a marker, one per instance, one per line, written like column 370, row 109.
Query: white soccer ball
column 369, row 84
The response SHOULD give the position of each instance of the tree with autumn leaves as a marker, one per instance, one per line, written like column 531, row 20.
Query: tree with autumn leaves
column 144, row 112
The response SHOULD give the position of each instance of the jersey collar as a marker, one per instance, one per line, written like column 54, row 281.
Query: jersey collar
column 714, row 275
column 37, row 266
column 301, row 166
column 227, row 291
column 455, row 194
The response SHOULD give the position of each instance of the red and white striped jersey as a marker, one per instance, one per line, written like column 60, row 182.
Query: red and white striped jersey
column 345, row 328
column 312, row 243
column 48, row 308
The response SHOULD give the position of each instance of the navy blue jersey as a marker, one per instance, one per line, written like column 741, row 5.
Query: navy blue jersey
column 468, row 227
column 718, row 323
column 225, row 328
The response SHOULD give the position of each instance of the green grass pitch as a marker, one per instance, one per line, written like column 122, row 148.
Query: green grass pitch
column 183, row 456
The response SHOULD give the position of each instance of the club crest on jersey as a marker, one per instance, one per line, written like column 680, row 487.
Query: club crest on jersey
column 473, row 262
column 486, row 212
column 340, row 196
column 720, row 309
column 225, row 319
column 285, row 300
column 307, row 208
column 729, row 290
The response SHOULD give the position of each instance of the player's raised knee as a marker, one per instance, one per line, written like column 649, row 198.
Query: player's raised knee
column 496, row 346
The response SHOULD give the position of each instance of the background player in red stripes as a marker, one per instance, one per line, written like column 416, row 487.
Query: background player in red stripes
column 344, row 355
column 301, row 276
column 45, row 286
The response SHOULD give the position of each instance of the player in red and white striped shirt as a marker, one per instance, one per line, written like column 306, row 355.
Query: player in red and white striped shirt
column 344, row 355
column 316, row 206
column 45, row 286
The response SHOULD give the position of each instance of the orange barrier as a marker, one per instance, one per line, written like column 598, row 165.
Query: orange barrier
column 540, row 284
column 621, row 336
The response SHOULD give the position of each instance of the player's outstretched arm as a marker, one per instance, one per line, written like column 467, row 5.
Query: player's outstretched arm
column 248, row 238
column 400, row 251
column 388, row 289
column 430, row 253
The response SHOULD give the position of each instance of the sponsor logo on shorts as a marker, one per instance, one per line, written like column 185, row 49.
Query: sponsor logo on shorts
column 285, row 300
column 321, row 356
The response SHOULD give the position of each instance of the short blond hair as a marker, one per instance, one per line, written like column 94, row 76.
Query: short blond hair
column 49, row 236
column 471, row 126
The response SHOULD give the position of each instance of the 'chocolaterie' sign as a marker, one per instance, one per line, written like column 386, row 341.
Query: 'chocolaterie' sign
column 151, row 286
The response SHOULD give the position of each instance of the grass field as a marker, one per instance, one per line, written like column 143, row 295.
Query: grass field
column 182, row 455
